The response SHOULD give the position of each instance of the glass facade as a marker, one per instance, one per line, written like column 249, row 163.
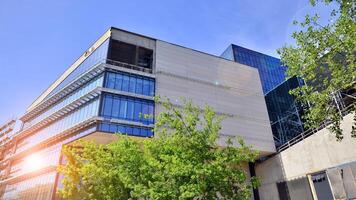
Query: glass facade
column 126, row 129
column 78, row 116
column 127, row 108
column 284, row 113
column 39, row 187
column 130, row 83
column 99, row 54
column 49, row 157
column 130, row 113
column 271, row 71
column 97, row 82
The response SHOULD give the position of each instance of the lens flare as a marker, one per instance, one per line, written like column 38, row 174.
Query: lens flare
column 34, row 162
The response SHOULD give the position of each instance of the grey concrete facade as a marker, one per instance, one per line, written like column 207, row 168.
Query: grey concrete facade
column 316, row 153
column 230, row 88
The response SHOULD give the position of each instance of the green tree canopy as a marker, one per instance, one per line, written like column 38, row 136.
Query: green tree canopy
column 324, row 56
column 182, row 161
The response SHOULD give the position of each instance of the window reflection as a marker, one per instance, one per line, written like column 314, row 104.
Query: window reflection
column 130, row 83
column 128, row 108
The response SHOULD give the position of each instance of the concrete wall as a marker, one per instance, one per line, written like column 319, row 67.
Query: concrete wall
column 316, row 153
column 231, row 88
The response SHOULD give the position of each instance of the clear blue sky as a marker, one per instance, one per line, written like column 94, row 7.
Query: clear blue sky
column 39, row 39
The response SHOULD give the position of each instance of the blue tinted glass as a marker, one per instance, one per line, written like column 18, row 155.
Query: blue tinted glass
column 125, row 83
column 121, row 129
column 146, row 87
column 144, row 132
column 130, row 83
column 145, row 112
column 136, row 131
column 126, row 129
column 105, row 127
column 149, row 133
column 116, row 107
column 132, row 87
column 137, row 111
column 97, row 56
column 123, row 109
column 129, row 130
column 118, row 82
column 152, row 88
column 151, row 113
column 110, row 80
column 139, row 86
column 107, row 106
column 130, row 109
column 113, row 128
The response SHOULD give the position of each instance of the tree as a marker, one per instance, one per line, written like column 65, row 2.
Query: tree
column 182, row 161
column 324, row 57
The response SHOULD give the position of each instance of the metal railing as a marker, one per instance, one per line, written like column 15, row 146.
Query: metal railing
column 128, row 66
column 310, row 132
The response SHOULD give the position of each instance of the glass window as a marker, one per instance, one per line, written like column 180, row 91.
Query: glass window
column 130, row 109
column 123, row 109
column 118, row 82
column 113, row 128
column 125, row 83
column 110, row 81
column 107, row 106
column 129, row 130
column 130, row 83
column 137, row 111
column 105, row 127
column 145, row 111
column 144, row 132
column 136, row 131
column 146, row 87
column 121, row 129
column 139, row 85
column 115, row 108
column 152, row 88
column 127, row 108
column 151, row 113
column 132, row 87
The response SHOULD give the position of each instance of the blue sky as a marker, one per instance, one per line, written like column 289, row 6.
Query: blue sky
column 39, row 39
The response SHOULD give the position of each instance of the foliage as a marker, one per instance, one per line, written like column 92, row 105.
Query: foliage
column 324, row 57
column 182, row 161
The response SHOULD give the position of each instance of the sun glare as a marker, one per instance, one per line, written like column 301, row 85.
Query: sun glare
column 33, row 162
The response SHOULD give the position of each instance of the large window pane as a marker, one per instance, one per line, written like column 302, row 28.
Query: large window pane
column 145, row 112
column 146, row 87
column 125, row 83
column 107, row 106
column 152, row 88
column 151, row 113
column 137, row 111
column 110, row 81
column 130, row 83
column 123, row 109
column 139, row 86
column 118, row 82
column 130, row 109
column 132, row 87
column 115, row 108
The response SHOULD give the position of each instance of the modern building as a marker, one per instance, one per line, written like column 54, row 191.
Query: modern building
column 285, row 113
column 271, row 70
column 283, row 110
column 316, row 166
column 309, row 164
column 108, row 89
